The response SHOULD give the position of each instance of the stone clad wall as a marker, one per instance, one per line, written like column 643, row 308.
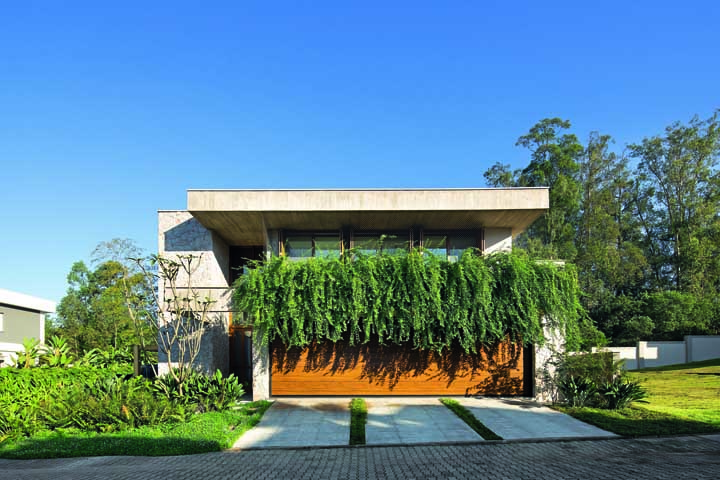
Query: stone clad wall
column 180, row 234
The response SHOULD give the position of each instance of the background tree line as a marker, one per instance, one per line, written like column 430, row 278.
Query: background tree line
column 642, row 226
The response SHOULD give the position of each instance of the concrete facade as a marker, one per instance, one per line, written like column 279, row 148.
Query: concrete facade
column 181, row 234
column 217, row 220
column 21, row 316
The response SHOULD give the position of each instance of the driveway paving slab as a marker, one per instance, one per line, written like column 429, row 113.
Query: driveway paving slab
column 612, row 459
column 301, row 422
column 407, row 421
column 517, row 418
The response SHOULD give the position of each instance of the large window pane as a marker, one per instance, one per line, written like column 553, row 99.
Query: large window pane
column 458, row 243
column 298, row 246
column 436, row 244
column 327, row 246
column 367, row 244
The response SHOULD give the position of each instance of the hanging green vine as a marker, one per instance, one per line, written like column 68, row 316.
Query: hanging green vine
column 414, row 298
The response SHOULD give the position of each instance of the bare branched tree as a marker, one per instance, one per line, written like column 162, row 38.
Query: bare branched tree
column 176, row 310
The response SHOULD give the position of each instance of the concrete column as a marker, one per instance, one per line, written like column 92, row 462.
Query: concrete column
column 261, row 368
column 546, row 357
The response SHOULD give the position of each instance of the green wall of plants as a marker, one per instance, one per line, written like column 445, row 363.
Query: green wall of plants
column 411, row 298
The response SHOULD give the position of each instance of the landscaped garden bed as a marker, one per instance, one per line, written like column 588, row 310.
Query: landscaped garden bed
column 681, row 399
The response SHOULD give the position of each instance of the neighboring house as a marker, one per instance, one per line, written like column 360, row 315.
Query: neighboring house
column 228, row 227
column 21, row 316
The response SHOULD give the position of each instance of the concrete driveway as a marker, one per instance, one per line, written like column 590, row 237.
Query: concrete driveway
column 325, row 421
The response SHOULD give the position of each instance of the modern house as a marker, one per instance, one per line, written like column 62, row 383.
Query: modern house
column 21, row 316
column 230, row 227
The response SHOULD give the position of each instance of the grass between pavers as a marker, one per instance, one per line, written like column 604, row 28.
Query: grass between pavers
column 472, row 421
column 204, row 432
column 682, row 399
column 358, row 419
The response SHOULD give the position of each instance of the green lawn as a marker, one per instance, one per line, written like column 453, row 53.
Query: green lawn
column 689, row 391
column 682, row 399
column 206, row 432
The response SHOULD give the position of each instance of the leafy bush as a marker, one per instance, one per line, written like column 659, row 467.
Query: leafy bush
column 596, row 367
column 108, row 358
column 620, row 393
column 99, row 400
column 206, row 393
column 578, row 391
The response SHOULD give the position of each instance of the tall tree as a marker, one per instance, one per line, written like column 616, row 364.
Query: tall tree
column 553, row 163
column 94, row 313
column 680, row 185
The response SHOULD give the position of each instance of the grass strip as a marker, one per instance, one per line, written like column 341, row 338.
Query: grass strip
column 638, row 421
column 358, row 419
column 204, row 432
column 467, row 417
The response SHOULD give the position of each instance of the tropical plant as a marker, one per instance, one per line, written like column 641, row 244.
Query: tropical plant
column 30, row 354
column 205, row 393
column 621, row 393
column 56, row 353
column 577, row 391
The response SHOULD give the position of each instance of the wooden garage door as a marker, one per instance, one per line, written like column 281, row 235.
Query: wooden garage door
column 373, row 369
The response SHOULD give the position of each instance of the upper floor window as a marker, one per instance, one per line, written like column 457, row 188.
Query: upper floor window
column 449, row 245
column 312, row 245
column 370, row 243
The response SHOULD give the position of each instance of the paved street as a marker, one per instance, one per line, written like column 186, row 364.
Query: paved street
column 670, row 458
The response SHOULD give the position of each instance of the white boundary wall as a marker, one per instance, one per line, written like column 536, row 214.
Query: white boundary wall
column 656, row 354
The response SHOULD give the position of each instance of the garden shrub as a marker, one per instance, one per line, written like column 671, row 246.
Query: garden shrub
column 100, row 400
column 204, row 393
column 578, row 391
column 620, row 393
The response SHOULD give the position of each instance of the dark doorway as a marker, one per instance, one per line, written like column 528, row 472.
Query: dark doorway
column 240, row 257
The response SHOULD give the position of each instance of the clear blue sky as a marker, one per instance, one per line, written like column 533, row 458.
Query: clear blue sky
column 109, row 113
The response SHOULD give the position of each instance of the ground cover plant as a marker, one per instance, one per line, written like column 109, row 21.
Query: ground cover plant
column 466, row 416
column 681, row 399
column 410, row 298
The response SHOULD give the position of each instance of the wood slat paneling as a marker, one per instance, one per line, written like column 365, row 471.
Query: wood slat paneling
column 373, row 369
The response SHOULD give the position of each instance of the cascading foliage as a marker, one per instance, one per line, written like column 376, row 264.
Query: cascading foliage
column 410, row 298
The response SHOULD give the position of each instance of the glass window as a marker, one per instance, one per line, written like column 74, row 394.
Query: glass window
column 458, row 243
column 299, row 246
column 451, row 245
column 387, row 243
column 313, row 245
column 327, row 246
column 436, row 244
column 367, row 244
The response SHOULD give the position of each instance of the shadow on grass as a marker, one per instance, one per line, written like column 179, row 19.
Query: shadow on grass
column 637, row 422
column 56, row 446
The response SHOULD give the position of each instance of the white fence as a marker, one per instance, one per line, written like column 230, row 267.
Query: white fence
column 656, row 354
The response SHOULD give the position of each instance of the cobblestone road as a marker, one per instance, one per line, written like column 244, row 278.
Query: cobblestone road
column 671, row 458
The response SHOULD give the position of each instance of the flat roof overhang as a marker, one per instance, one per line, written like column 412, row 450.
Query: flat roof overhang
column 241, row 217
